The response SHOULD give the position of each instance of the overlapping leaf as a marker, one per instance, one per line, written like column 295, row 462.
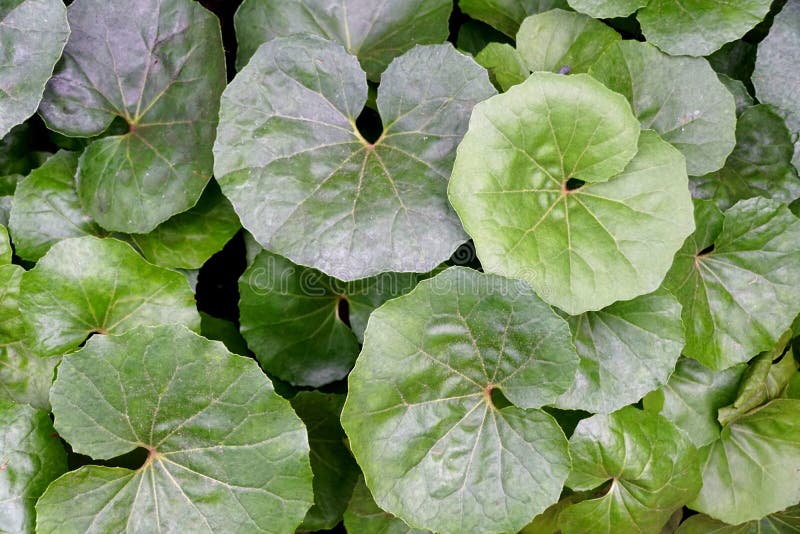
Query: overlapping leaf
column 785, row 522
column 601, row 9
column 504, row 63
column 25, row 377
column 308, row 186
column 507, row 15
column 11, row 326
column 364, row 516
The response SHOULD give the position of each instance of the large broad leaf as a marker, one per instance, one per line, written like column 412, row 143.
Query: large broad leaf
column 335, row 471
column 760, row 164
column 785, row 522
column 692, row 397
column 699, row 27
column 626, row 350
column 159, row 65
column 679, row 97
column 507, row 15
column 580, row 248
column 440, row 446
column 603, row 9
column 737, row 280
column 308, row 186
column 751, row 471
column 86, row 285
column 652, row 466
column 25, row 377
column 225, row 453
column 31, row 456
column 304, row 326
column 33, row 34
column 375, row 32
column 364, row 516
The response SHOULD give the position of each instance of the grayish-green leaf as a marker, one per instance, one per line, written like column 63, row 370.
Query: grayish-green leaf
column 653, row 468
column 506, row 67
column 751, row 471
column 735, row 59
column 423, row 412
column 309, row 187
column 25, row 377
column 699, row 27
column 32, row 36
column 692, row 397
column 760, row 164
column 626, row 350
column 786, row 522
column 375, row 32
column 560, row 40
column 159, row 65
column 580, row 249
column 741, row 97
column 87, row 285
column 507, row 15
column 225, row 453
column 12, row 328
column 740, row 297
column 679, row 97
column 364, row 516
column 604, row 9
column 31, row 456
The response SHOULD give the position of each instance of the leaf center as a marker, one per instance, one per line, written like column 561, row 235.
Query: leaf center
column 571, row 185
column 369, row 126
column 495, row 397
column 343, row 310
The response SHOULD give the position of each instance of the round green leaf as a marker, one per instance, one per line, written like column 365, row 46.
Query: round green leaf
column 309, row 187
column 25, row 377
column 425, row 409
column 506, row 67
column 375, row 32
column 560, row 40
column 626, row 350
column 740, row 297
column 225, row 453
column 784, row 522
column 653, row 468
column 364, row 516
column 33, row 33
column 507, row 15
column 87, row 285
column 605, row 9
column 581, row 249
column 751, row 471
column 159, row 65
column 679, row 97
column 760, row 165
column 699, row 27
column 11, row 326
column 31, row 456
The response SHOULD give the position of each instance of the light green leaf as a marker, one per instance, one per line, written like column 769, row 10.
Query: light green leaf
column 760, row 165
column 653, row 468
column 86, row 285
column 309, row 187
column 739, row 297
column 31, row 456
column 605, row 9
column 679, row 97
column 25, row 377
column 505, row 65
column 375, row 32
column 305, row 326
column 335, row 471
column 12, row 328
column 693, row 395
column 784, row 522
column 507, row 15
column 225, row 453
column 580, row 249
column 33, row 33
column 699, row 27
column 162, row 70
column 563, row 41
column 224, row 331
column 5, row 247
column 626, row 350
column 741, row 97
column 425, row 410
column 751, row 471
column 364, row 516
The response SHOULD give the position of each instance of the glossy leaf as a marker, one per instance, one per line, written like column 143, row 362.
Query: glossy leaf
column 506, row 67
column 785, row 522
column 87, row 286
column 308, row 186
column 364, row 516
column 739, row 297
column 580, row 249
column 162, row 70
column 424, row 410
column 375, row 32
column 626, row 350
column 25, row 377
column 507, row 15
column 679, row 97
column 653, row 468
column 33, row 34
column 604, row 9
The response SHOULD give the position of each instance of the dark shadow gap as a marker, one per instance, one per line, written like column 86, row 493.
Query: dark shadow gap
column 369, row 125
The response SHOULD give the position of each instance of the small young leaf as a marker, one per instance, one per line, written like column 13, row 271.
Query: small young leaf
column 507, row 15
column 364, row 516
column 506, row 67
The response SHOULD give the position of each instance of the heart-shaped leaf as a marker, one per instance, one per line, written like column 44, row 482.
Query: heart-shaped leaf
column 736, row 279
column 580, row 248
column 33, row 33
column 225, row 453
column 427, row 414
column 784, row 522
column 604, row 9
column 308, row 186
column 653, row 468
column 86, row 285
column 679, row 97
column 364, row 516
column 159, row 65
column 25, row 377
column 626, row 350
column 507, row 15
column 375, row 32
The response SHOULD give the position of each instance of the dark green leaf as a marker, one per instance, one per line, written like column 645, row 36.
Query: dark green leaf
column 507, row 15
column 735, row 59
column 364, row 517
column 785, row 522
column 225, row 331
column 474, row 36
column 740, row 95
